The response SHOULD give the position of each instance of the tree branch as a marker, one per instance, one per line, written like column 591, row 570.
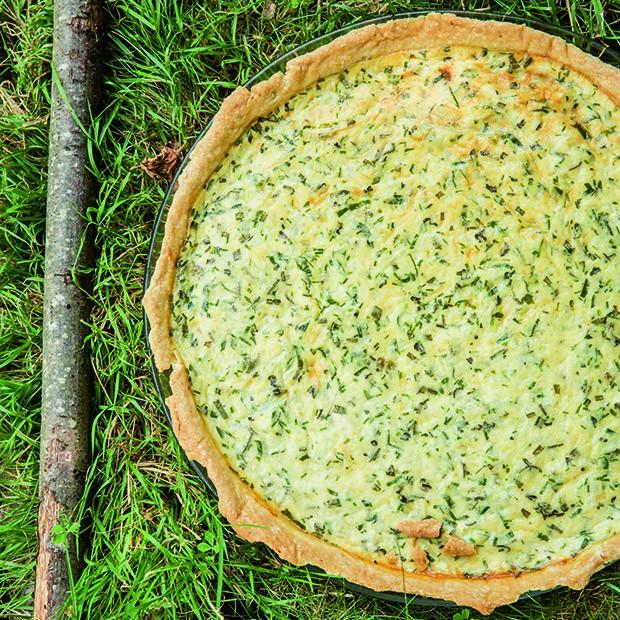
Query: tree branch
column 67, row 384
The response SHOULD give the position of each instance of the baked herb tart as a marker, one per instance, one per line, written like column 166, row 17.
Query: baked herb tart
column 389, row 294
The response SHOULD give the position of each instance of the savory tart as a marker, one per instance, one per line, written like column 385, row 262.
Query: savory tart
column 389, row 297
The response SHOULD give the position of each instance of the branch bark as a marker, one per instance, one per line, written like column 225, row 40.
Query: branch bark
column 67, row 384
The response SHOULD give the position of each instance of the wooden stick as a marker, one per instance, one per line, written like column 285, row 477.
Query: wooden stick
column 67, row 384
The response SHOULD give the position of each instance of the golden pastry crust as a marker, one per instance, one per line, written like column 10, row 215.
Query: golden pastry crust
column 251, row 516
column 424, row 528
column 457, row 547
column 418, row 555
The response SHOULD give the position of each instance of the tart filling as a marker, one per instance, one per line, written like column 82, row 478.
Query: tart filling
column 399, row 299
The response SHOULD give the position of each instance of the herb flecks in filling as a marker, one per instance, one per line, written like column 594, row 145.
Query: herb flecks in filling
column 400, row 299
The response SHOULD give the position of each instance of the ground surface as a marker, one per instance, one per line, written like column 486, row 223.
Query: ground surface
column 157, row 545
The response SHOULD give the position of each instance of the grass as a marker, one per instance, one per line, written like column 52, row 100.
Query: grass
column 23, row 153
column 157, row 547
